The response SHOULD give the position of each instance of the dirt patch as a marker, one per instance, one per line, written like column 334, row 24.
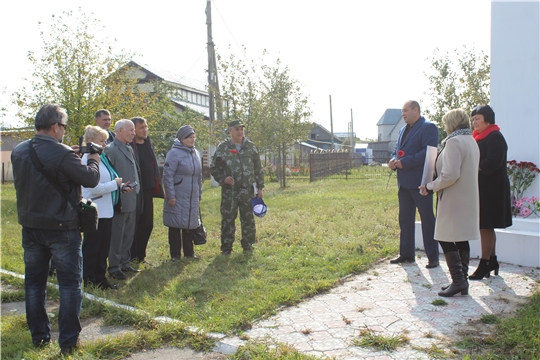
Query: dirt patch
column 475, row 334
column 18, row 308
column 94, row 329
column 175, row 354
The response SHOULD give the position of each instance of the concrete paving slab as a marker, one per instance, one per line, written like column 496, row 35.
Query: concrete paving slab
column 392, row 300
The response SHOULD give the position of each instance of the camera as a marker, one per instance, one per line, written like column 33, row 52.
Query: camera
column 91, row 148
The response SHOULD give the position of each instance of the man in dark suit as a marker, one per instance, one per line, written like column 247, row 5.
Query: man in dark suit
column 121, row 157
column 151, row 187
column 408, row 159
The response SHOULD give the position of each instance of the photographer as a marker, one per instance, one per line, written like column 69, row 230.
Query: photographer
column 50, row 224
column 96, row 244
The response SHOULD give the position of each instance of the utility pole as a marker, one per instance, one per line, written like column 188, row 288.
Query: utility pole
column 353, row 138
column 213, row 84
column 331, row 126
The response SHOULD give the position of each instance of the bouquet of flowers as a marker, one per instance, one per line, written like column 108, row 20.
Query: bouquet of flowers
column 526, row 206
column 400, row 154
column 521, row 175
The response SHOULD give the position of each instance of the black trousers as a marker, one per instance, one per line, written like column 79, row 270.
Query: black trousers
column 144, row 226
column 95, row 250
column 176, row 243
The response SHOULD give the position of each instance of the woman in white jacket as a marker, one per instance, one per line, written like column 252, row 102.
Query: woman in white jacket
column 458, row 201
column 95, row 247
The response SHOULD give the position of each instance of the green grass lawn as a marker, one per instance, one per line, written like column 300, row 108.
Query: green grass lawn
column 313, row 235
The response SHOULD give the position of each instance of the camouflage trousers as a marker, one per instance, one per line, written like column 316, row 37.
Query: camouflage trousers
column 233, row 200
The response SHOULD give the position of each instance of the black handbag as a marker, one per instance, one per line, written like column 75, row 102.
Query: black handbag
column 88, row 216
column 198, row 235
column 88, row 212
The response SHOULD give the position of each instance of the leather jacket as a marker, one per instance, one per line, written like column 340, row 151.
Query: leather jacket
column 39, row 204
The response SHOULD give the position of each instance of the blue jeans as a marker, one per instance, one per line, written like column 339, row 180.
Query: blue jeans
column 65, row 248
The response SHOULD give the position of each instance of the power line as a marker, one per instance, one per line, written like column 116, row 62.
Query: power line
column 196, row 62
column 225, row 23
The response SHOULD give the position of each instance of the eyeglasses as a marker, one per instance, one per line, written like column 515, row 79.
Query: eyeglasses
column 63, row 125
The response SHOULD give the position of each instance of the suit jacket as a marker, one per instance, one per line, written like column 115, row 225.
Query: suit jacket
column 422, row 134
column 122, row 159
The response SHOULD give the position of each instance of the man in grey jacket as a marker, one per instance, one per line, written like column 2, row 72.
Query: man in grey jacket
column 50, row 225
column 121, row 157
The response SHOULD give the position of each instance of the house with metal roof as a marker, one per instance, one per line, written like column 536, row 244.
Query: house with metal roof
column 388, row 130
column 322, row 138
column 389, row 125
column 191, row 93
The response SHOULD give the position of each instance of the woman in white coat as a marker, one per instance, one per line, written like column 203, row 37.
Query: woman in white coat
column 95, row 247
column 458, row 203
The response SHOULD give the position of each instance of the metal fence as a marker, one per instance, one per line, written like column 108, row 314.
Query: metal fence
column 336, row 165
column 327, row 165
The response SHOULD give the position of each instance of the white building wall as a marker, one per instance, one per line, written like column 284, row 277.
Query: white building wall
column 515, row 78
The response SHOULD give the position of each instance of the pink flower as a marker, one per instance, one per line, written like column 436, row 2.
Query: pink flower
column 525, row 212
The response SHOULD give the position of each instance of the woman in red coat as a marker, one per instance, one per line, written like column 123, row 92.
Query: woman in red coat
column 494, row 186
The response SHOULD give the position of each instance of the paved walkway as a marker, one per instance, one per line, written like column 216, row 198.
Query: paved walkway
column 393, row 300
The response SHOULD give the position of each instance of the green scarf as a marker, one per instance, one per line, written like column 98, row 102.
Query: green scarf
column 114, row 175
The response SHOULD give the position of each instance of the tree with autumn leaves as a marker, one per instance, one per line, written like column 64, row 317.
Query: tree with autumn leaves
column 80, row 69
column 458, row 81
column 269, row 100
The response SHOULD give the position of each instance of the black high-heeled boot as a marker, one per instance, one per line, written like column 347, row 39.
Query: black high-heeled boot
column 459, row 283
column 481, row 271
column 494, row 264
column 465, row 256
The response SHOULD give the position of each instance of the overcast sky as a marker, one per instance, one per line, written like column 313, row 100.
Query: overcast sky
column 368, row 55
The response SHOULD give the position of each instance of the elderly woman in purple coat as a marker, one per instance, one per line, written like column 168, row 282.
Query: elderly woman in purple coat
column 182, row 181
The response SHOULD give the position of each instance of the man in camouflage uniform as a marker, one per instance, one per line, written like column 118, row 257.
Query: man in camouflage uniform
column 236, row 166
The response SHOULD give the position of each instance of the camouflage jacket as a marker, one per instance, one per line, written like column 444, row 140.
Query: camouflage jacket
column 244, row 165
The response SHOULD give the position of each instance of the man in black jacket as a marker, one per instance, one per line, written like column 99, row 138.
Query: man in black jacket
column 151, row 187
column 50, row 224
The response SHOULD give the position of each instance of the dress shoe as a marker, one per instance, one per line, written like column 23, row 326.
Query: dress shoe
column 103, row 284
column 130, row 268
column 226, row 252
column 195, row 257
column 67, row 351
column 175, row 258
column 402, row 260
column 118, row 275
column 42, row 343
column 106, row 285
column 432, row 264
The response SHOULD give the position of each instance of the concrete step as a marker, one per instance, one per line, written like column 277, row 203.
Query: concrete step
column 518, row 244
